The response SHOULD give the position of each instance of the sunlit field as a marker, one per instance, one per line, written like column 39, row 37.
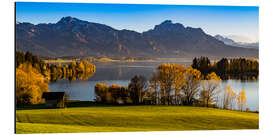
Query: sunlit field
column 132, row 118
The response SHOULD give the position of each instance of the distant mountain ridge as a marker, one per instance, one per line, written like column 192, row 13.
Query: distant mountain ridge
column 74, row 37
column 231, row 42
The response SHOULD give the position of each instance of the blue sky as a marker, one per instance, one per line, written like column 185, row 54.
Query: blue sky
column 233, row 21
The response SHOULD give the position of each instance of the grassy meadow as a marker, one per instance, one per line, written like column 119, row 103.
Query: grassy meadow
column 131, row 118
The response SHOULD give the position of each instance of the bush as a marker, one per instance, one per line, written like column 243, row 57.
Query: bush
column 113, row 94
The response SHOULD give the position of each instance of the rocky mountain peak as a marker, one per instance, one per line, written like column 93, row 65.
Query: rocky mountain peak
column 69, row 19
column 166, row 22
column 169, row 26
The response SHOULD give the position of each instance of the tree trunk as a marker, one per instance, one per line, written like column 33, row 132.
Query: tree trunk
column 175, row 96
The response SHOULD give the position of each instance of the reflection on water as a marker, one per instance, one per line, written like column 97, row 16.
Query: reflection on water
column 121, row 72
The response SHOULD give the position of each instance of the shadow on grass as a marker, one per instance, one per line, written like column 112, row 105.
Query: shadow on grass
column 70, row 104
column 31, row 107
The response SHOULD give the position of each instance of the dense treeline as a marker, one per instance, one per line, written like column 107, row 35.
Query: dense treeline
column 33, row 76
column 172, row 84
column 74, row 70
column 235, row 68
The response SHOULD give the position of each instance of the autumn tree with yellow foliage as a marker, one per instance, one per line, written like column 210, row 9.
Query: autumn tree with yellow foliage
column 184, row 82
column 30, row 84
column 191, row 85
column 178, row 82
column 171, row 77
column 228, row 97
column 242, row 100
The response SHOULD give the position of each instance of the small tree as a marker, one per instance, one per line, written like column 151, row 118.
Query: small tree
column 154, row 85
column 137, row 86
column 178, row 81
column 242, row 100
column 228, row 98
column 210, row 86
column 166, row 81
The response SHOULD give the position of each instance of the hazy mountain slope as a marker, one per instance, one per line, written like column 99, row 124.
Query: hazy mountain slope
column 231, row 42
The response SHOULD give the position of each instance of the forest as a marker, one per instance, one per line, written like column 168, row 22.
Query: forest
column 228, row 68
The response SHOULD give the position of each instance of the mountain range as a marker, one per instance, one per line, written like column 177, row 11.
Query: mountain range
column 74, row 37
column 228, row 41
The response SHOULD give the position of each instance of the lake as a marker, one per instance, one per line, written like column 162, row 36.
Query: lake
column 121, row 72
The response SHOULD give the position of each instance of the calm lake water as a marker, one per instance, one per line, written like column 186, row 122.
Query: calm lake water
column 121, row 72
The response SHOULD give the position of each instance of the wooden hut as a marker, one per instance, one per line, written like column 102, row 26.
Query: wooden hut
column 54, row 99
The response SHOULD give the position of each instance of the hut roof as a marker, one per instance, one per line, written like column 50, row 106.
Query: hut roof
column 53, row 95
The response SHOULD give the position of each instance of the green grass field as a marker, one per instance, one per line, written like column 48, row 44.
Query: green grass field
column 131, row 118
